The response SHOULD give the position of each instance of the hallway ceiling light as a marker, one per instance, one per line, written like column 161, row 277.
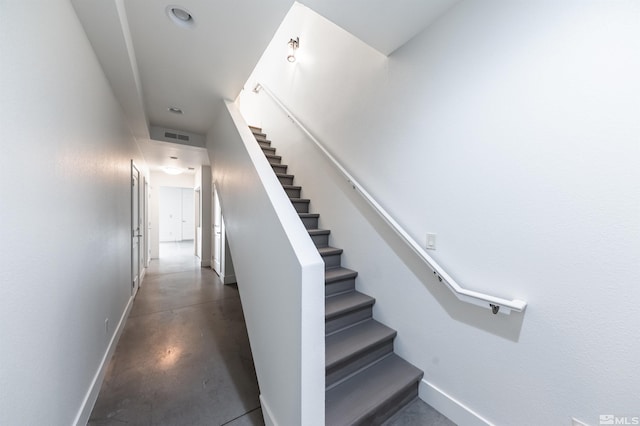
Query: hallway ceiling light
column 180, row 16
column 172, row 170
column 293, row 46
column 175, row 110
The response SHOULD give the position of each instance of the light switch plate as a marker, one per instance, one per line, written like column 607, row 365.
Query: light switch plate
column 431, row 241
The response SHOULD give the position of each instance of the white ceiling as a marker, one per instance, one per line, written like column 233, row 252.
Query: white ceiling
column 153, row 64
column 384, row 25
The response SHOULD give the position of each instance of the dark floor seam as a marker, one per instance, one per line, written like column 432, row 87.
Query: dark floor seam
column 181, row 307
column 241, row 415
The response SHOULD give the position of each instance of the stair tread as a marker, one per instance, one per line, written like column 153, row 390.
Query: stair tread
column 291, row 187
column 352, row 400
column 345, row 302
column 276, row 157
column 355, row 340
column 319, row 231
column 326, row 251
column 284, row 175
column 256, row 133
column 309, row 215
column 337, row 274
column 299, row 200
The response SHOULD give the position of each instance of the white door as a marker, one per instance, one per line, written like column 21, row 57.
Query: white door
column 216, row 236
column 188, row 214
column 135, row 228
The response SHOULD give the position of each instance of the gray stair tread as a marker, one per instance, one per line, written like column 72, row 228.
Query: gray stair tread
column 337, row 274
column 327, row 251
column 345, row 302
column 256, row 133
column 291, row 187
column 284, row 175
column 300, row 200
column 354, row 340
column 309, row 215
column 352, row 400
column 276, row 157
column 319, row 231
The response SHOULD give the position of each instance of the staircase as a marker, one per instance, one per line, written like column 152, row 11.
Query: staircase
column 366, row 382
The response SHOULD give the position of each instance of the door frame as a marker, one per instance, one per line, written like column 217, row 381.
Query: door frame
column 135, row 229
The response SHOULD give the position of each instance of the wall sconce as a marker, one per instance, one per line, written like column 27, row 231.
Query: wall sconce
column 293, row 46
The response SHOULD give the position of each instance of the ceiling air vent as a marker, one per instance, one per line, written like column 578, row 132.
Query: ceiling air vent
column 177, row 136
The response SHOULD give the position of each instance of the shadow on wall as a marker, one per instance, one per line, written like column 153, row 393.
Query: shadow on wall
column 505, row 326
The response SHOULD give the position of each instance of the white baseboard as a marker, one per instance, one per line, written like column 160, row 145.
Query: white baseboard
column 82, row 418
column 269, row 420
column 228, row 279
column 456, row 411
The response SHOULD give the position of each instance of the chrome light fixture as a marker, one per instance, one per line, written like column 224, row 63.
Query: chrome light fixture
column 293, row 46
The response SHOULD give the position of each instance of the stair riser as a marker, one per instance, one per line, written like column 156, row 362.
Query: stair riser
column 349, row 366
column 301, row 207
column 347, row 319
column 310, row 222
column 286, row 180
column 293, row 192
column 267, row 145
column 320, row 240
column 339, row 286
column 273, row 161
column 268, row 151
column 332, row 260
column 390, row 407
column 279, row 168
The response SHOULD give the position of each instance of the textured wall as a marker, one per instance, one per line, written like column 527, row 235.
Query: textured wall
column 65, row 208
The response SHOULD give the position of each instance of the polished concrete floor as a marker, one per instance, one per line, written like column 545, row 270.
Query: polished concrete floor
column 184, row 356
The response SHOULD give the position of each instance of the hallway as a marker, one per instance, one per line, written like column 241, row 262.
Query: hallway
column 184, row 356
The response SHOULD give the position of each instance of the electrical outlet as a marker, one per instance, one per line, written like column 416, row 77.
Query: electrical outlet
column 431, row 241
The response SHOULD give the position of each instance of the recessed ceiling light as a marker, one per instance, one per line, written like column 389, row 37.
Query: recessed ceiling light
column 175, row 110
column 180, row 16
column 172, row 170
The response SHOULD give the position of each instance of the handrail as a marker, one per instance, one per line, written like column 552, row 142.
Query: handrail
column 496, row 304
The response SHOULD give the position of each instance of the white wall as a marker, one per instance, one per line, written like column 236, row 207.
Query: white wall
column 66, row 234
column 280, row 275
column 511, row 130
column 203, row 177
column 158, row 180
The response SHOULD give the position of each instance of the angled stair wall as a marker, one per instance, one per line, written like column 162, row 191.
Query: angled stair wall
column 279, row 272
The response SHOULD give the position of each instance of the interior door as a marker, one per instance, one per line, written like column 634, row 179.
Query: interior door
column 188, row 216
column 216, row 236
column 136, row 233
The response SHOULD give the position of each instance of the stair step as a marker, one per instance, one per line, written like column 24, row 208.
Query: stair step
column 267, row 149
column 273, row 159
column 339, row 280
column 320, row 237
column 374, row 394
column 346, row 309
column 279, row 168
column 259, row 134
column 292, row 191
column 256, row 129
column 310, row 220
column 284, row 178
column 300, row 204
column 355, row 348
column 331, row 256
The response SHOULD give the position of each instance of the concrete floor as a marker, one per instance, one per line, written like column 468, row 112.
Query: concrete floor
column 184, row 356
